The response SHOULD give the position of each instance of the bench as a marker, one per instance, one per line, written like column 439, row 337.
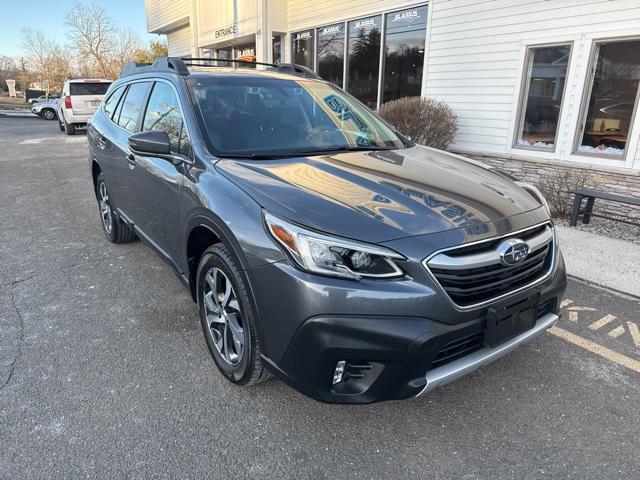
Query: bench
column 591, row 196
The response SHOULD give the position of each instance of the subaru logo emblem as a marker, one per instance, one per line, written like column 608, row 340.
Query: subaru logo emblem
column 513, row 251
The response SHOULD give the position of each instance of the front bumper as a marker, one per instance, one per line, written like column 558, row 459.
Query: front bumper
column 467, row 364
column 402, row 354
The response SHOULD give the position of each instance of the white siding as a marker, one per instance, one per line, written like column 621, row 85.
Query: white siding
column 165, row 15
column 314, row 13
column 179, row 42
column 476, row 53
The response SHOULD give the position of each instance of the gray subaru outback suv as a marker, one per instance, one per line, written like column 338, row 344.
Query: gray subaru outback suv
column 320, row 245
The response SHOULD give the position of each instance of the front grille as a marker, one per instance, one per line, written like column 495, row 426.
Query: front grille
column 473, row 274
column 547, row 307
column 470, row 342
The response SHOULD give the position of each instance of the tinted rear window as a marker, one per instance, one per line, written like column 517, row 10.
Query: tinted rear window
column 88, row 88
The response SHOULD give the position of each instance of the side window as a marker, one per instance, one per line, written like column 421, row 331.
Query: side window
column 163, row 114
column 116, row 114
column 184, row 148
column 131, row 106
column 111, row 103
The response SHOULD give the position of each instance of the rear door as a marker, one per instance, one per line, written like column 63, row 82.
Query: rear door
column 86, row 96
column 127, row 117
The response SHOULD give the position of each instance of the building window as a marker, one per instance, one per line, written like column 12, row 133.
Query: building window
column 330, row 44
column 302, row 48
column 546, row 75
column 609, row 112
column 364, row 59
column 405, row 38
column 276, row 45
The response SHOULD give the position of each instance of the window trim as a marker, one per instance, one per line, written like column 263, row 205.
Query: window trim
column 144, row 103
column 586, row 95
column 524, row 93
column 118, row 108
column 111, row 94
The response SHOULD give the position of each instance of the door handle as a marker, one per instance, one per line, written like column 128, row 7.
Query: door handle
column 131, row 160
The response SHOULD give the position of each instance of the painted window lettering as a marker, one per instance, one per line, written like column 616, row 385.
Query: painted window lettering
column 337, row 106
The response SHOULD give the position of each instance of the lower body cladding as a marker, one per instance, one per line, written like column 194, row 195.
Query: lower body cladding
column 369, row 357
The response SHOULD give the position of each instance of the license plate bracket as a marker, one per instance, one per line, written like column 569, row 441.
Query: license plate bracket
column 509, row 320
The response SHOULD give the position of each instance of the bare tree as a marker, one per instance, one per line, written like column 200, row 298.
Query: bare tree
column 45, row 56
column 94, row 35
column 125, row 50
column 92, row 32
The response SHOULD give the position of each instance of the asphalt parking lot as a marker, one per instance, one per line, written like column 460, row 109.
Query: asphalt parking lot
column 104, row 372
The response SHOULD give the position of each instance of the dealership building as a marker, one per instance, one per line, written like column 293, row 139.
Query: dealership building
column 538, row 86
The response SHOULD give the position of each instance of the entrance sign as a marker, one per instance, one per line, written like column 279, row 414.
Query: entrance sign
column 226, row 31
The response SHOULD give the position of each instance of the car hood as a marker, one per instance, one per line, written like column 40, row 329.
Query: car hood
column 378, row 196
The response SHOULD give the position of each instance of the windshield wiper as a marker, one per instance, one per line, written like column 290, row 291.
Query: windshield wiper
column 321, row 151
column 301, row 153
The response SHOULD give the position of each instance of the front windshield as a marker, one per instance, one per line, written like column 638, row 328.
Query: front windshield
column 260, row 116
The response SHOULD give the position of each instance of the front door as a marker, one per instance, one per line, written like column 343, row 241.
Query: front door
column 157, row 181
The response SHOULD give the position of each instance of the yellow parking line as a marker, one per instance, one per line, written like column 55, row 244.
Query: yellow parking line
column 602, row 322
column 616, row 332
column 635, row 333
column 597, row 349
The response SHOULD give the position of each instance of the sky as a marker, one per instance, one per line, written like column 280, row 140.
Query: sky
column 48, row 16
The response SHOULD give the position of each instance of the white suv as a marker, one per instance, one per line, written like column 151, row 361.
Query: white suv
column 79, row 100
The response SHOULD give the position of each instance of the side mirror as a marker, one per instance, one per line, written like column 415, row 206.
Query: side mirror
column 150, row 144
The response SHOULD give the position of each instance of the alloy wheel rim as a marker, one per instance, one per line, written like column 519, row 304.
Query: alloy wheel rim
column 224, row 320
column 48, row 115
column 105, row 208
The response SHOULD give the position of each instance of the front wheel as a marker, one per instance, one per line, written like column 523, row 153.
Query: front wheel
column 227, row 318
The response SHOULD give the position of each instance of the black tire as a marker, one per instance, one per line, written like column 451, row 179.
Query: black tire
column 48, row 114
column 249, row 370
column 114, row 229
column 70, row 128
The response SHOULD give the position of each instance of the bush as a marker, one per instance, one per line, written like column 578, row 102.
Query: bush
column 424, row 120
column 555, row 187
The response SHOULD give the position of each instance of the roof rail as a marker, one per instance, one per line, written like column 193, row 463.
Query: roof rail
column 291, row 68
column 179, row 66
column 189, row 61
column 161, row 64
column 296, row 69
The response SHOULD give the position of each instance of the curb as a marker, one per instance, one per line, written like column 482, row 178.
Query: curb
column 26, row 114
column 615, row 291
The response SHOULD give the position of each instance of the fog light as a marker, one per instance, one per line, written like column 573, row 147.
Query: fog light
column 337, row 374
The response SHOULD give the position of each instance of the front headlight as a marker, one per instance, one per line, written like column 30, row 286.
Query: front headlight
column 333, row 256
column 535, row 193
